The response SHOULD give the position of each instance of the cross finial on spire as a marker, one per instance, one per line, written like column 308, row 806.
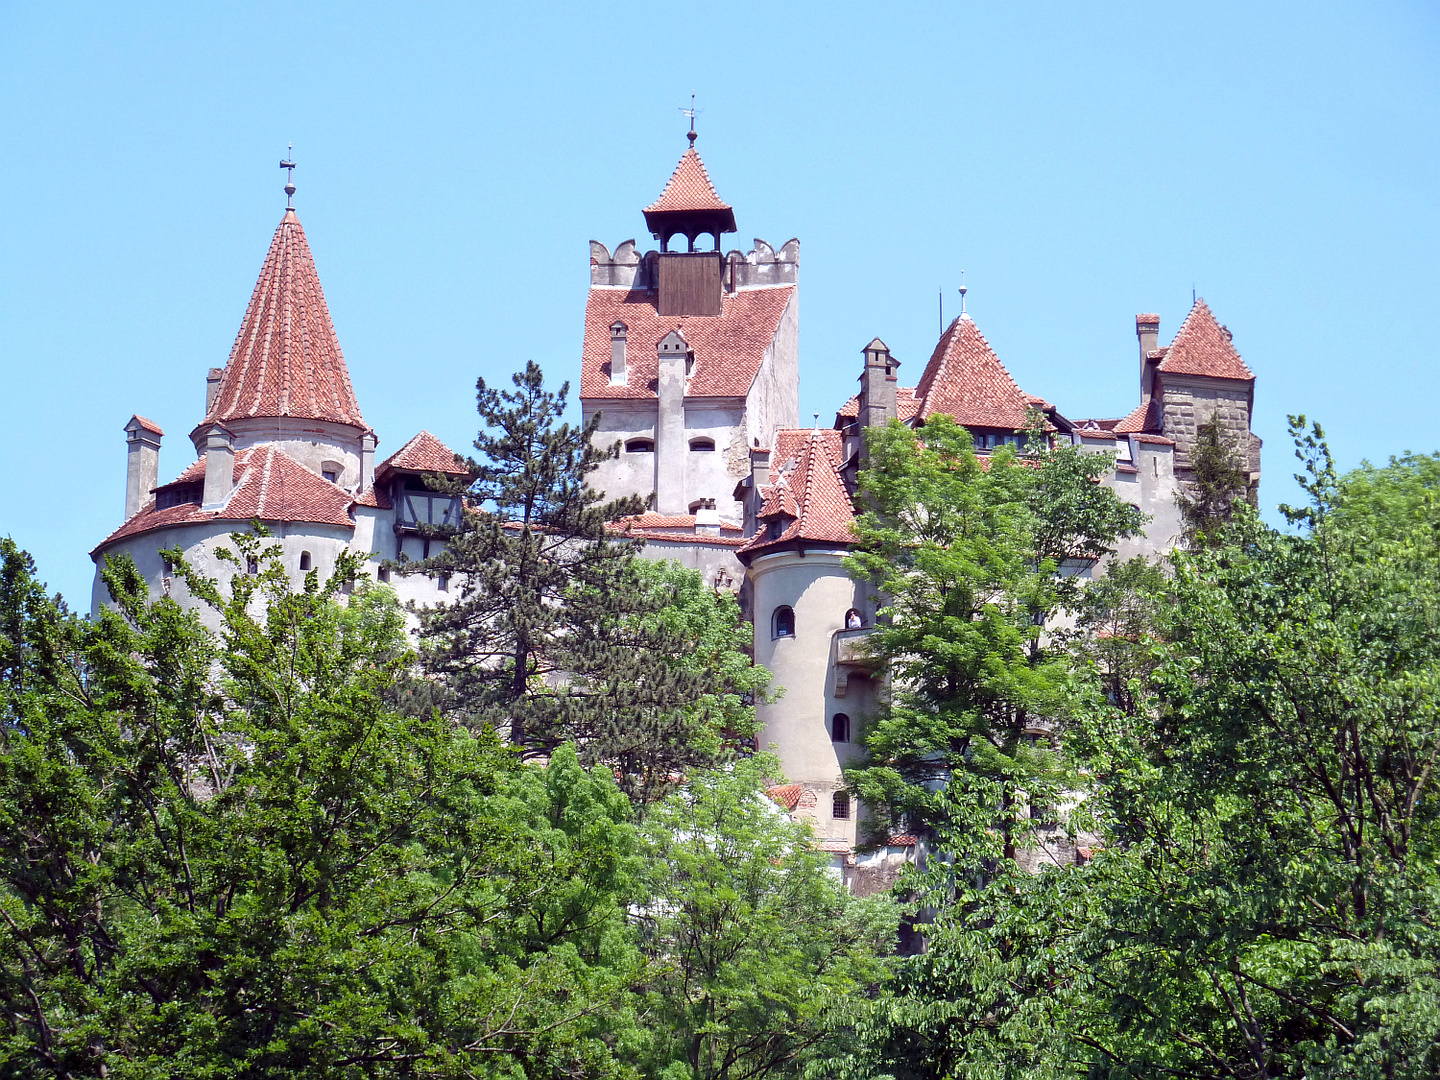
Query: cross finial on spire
column 691, row 113
column 963, row 290
column 289, row 164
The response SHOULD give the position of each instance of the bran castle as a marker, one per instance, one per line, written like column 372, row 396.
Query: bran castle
column 690, row 361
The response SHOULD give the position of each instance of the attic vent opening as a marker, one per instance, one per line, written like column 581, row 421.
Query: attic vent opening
column 701, row 445
column 640, row 446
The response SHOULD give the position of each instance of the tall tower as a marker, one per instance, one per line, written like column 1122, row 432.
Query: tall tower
column 690, row 357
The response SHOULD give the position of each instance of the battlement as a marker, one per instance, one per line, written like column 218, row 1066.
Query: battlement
column 760, row 268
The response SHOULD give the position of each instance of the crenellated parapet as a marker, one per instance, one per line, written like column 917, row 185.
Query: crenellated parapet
column 761, row 267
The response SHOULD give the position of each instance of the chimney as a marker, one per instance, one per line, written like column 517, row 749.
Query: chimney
column 142, row 462
column 1147, row 329
column 368, row 442
column 707, row 519
column 219, row 466
column 617, row 354
column 673, row 356
column 212, row 387
column 878, row 383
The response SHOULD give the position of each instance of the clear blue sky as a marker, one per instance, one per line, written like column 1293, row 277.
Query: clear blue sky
column 1081, row 162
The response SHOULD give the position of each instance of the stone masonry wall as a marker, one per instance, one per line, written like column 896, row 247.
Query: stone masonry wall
column 1187, row 404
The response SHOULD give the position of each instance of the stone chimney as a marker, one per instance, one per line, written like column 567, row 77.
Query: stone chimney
column 878, row 384
column 1147, row 329
column 759, row 468
column 142, row 462
column 212, row 387
column 219, row 466
column 673, row 355
column 368, row 442
column 707, row 519
column 617, row 354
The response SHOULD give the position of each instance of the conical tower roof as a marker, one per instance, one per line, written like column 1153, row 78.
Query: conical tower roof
column 689, row 204
column 966, row 380
column 1203, row 347
column 286, row 361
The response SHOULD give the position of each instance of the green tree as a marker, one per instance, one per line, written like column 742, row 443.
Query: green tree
column 967, row 552
column 555, row 633
column 1265, row 901
column 226, row 855
column 755, row 943
column 1219, row 481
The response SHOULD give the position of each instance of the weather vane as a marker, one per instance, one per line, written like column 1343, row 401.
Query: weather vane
column 691, row 113
column 289, row 165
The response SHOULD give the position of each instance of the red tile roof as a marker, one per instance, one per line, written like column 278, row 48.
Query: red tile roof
column 728, row 347
column 270, row 485
column 1203, row 347
column 689, row 188
column 810, row 470
column 676, row 528
column 426, row 453
column 1147, row 318
column 147, row 424
column 1146, row 417
column 286, row 360
column 965, row 379
column 907, row 405
column 787, row 795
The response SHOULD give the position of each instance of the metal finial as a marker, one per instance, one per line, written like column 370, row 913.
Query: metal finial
column 691, row 112
column 963, row 291
column 817, row 420
column 289, row 165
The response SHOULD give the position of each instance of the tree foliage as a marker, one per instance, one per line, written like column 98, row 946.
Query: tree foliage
column 1264, row 903
column 971, row 554
column 226, row 855
column 1219, row 481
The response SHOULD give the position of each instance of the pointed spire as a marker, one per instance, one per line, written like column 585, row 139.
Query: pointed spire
column 286, row 361
column 689, row 205
column 1203, row 347
column 966, row 380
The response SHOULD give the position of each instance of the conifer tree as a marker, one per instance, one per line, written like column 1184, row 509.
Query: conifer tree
column 1218, row 481
column 551, row 636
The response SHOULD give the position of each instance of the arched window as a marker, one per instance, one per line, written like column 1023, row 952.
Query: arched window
column 783, row 623
column 853, row 621
column 702, row 444
column 640, row 446
column 840, row 805
column 305, row 560
column 840, row 728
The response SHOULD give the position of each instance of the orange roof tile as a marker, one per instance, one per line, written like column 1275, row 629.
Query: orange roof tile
column 147, row 424
column 728, row 347
column 1203, row 347
column 787, row 795
column 810, row 472
column 965, row 380
column 426, row 453
column 286, row 360
column 270, row 485
column 1146, row 417
column 689, row 188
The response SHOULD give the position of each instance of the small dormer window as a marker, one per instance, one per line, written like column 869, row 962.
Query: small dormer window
column 640, row 446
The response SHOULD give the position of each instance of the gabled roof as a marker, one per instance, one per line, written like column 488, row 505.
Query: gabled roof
column 1146, row 417
column 144, row 423
column 270, row 485
column 425, row 453
column 688, row 189
column 729, row 348
column 286, row 361
column 810, row 471
column 1203, row 347
column 676, row 528
column 965, row 380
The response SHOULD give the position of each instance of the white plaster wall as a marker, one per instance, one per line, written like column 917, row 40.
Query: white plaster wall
column 797, row 726
column 709, row 559
column 774, row 398
column 620, row 421
column 310, row 442
column 709, row 474
column 1152, row 487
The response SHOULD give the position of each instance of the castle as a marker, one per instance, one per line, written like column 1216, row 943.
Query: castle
column 690, row 361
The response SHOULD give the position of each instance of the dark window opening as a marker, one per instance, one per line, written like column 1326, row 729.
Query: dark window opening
column 840, row 728
column 640, row 446
column 443, row 582
column 331, row 475
column 305, row 560
column 384, row 574
column 840, row 805
column 783, row 623
column 699, row 445
column 853, row 621
column 252, row 566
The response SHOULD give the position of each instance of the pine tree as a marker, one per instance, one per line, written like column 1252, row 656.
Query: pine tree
column 552, row 635
column 1218, row 480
